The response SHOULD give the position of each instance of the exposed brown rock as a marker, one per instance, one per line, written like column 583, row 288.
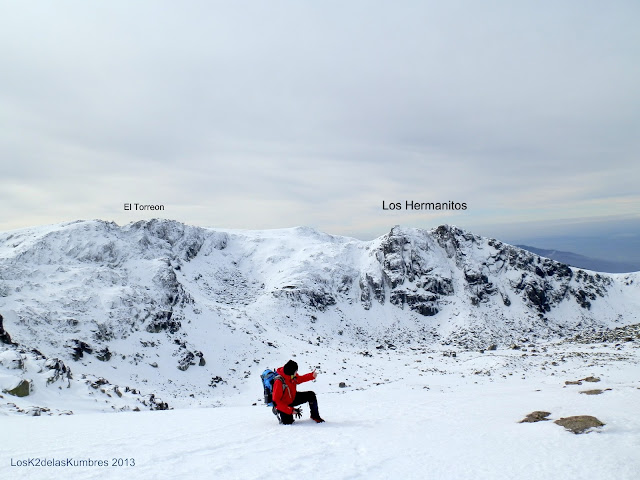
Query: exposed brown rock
column 591, row 379
column 537, row 416
column 592, row 392
column 579, row 424
column 22, row 390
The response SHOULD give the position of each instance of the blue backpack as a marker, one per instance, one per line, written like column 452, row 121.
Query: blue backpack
column 268, row 377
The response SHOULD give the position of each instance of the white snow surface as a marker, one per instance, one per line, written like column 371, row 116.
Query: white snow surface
column 432, row 418
column 159, row 314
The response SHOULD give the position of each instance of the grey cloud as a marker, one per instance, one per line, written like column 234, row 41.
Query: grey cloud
column 279, row 113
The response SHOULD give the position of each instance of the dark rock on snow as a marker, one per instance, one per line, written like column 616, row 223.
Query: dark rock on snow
column 537, row 416
column 21, row 390
column 579, row 424
column 4, row 335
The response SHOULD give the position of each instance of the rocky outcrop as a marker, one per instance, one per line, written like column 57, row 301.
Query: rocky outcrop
column 184, row 240
column 314, row 298
column 78, row 348
column 189, row 358
column 407, row 275
column 104, row 355
column 163, row 321
column 58, row 371
column 410, row 276
column 4, row 335
column 371, row 288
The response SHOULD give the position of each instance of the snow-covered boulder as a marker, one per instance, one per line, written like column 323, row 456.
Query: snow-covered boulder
column 15, row 386
column 12, row 360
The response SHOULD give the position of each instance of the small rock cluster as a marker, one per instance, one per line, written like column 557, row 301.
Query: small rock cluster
column 579, row 382
column 576, row 424
column 628, row 333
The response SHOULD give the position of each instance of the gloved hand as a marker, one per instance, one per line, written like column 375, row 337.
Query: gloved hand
column 297, row 412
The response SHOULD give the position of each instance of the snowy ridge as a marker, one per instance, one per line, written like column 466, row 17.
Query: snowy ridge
column 158, row 311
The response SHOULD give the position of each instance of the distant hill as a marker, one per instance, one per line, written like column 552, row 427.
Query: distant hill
column 580, row 261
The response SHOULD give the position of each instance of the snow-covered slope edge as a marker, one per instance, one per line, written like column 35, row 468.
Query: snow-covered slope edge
column 126, row 316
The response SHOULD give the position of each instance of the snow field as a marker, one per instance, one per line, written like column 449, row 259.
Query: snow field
column 454, row 429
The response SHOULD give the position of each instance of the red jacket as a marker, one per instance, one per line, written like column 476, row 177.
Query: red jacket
column 284, row 399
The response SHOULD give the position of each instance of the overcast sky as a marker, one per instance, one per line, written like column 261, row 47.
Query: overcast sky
column 272, row 114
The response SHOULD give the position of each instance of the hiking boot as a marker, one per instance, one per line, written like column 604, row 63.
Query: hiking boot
column 317, row 419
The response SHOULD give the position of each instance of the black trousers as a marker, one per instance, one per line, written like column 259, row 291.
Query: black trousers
column 301, row 397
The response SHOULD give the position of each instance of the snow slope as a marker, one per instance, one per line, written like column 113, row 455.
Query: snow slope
column 438, row 417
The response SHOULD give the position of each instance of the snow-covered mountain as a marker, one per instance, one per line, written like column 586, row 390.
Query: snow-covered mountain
column 158, row 313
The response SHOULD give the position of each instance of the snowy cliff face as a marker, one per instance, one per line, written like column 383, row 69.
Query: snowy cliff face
column 481, row 290
column 186, row 312
column 486, row 270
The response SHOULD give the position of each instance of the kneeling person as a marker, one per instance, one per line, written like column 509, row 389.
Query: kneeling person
column 286, row 397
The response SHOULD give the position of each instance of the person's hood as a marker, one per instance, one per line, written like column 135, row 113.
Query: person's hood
column 287, row 378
